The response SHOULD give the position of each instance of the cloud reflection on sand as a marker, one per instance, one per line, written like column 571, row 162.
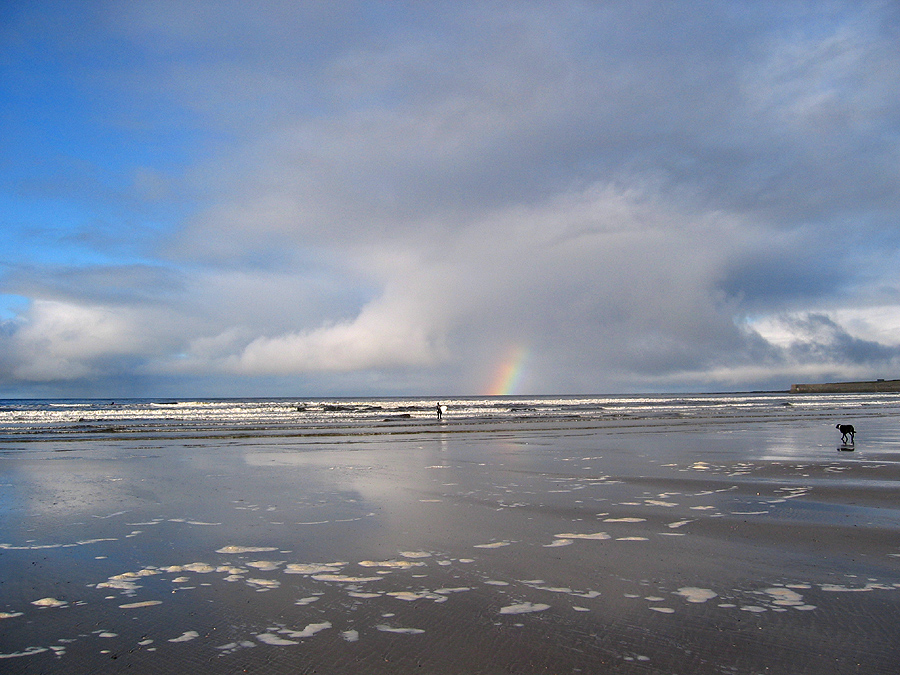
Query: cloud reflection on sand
column 546, row 538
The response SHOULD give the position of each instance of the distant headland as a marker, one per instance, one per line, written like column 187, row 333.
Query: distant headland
column 847, row 387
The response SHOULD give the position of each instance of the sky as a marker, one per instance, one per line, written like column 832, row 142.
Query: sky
column 222, row 198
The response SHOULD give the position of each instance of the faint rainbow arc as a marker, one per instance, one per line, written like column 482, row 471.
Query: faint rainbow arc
column 509, row 375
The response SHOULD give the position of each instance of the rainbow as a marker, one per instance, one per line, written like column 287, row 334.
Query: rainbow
column 509, row 374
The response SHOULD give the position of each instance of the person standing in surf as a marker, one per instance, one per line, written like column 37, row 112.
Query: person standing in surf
column 440, row 410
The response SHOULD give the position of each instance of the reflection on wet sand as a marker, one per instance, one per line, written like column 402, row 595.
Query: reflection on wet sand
column 724, row 549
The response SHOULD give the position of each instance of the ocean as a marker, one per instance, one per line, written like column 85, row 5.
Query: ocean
column 56, row 418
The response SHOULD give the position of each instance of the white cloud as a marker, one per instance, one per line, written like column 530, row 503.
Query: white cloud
column 382, row 336
column 63, row 341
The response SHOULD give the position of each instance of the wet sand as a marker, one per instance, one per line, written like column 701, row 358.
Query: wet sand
column 740, row 547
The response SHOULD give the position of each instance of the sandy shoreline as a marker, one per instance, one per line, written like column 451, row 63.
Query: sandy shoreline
column 516, row 548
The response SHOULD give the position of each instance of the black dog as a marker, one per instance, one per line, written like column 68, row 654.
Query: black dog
column 847, row 431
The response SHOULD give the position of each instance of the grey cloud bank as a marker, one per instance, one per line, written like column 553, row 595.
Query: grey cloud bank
column 380, row 198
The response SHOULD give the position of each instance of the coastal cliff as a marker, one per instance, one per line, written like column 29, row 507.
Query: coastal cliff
column 847, row 387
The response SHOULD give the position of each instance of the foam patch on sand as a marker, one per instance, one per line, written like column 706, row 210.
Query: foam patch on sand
column 302, row 602
column 246, row 549
column 524, row 608
column 135, row 605
column 199, row 567
column 403, row 631
column 597, row 536
column 539, row 584
column 837, row 588
column 415, row 554
column 232, row 647
column 38, row 547
column 318, row 568
column 408, row 596
column 341, row 578
column 391, row 564
column 29, row 651
column 186, row 636
column 120, row 585
column 696, row 595
column 264, row 565
column 785, row 597
column 310, row 630
column 272, row 639
column 679, row 523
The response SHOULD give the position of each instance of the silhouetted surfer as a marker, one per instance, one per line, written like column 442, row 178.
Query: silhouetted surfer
column 440, row 410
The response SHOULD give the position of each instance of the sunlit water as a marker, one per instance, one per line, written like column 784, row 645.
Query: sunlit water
column 20, row 418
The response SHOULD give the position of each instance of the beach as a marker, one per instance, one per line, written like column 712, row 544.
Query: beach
column 724, row 542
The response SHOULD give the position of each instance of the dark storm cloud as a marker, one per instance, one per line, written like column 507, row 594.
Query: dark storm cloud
column 825, row 340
